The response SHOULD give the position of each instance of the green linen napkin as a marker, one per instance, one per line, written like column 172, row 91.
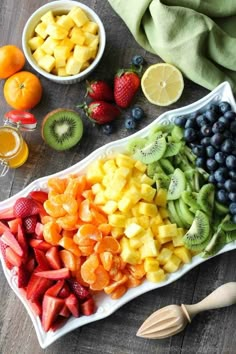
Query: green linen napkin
column 197, row 36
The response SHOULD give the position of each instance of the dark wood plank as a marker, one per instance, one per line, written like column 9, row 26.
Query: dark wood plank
column 212, row 332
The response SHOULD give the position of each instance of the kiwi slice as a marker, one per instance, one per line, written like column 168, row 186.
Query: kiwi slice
column 206, row 197
column 154, row 168
column 172, row 148
column 180, row 215
column 177, row 185
column 177, row 133
column 228, row 226
column 198, row 232
column 174, row 217
column 152, row 151
column 135, row 144
column 190, row 198
column 220, row 208
column 230, row 236
column 62, row 129
column 166, row 166
column 161, row 180
column 186, row 214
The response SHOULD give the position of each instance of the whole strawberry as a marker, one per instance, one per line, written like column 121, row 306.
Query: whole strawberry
column 101, row 112
column 30, row 223
column 25, row 207
column 126, row 85
column 100, row 90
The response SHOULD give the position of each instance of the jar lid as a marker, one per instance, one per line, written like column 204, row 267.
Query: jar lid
column 21, row 119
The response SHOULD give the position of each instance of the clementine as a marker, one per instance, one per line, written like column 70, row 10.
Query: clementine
column 23, row 90
column 12, row 60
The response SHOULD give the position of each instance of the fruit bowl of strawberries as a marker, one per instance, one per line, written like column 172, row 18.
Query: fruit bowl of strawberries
column 79, row 244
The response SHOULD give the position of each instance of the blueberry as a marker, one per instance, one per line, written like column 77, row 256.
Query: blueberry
column 206, row 141
column 222, row 196
column 227, row 145
column 180, row 121
column 211, row 164
column 232, row 196
column 216, row 139
column 224, row 107
column 137, row 60
column 232, row 208
column 221, row 174
column 220, row 185
column 210, row 151
column 206, row 130
column 213, row 107
column 137, row 113
column 211, row 178
column 190, row 123
column 233, row 127
column 130, row 123
column 218, row 127
column 220, row 157
column 201, row 120
column 234, row 219
column 224, row 121
column 190, row 135
column 230, row 185
column 198, row 150
column 230, row 115
column 231, row 162
column 211, row 116
column 107, row 129
column 232, row 175
column 200, row 162
column 193, row 115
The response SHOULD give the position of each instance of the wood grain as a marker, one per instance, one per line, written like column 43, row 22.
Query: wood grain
column 211, row 332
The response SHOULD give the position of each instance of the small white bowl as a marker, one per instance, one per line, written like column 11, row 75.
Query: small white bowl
column 59, row 7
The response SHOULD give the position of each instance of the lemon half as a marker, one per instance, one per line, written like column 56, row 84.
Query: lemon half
column 162, row 84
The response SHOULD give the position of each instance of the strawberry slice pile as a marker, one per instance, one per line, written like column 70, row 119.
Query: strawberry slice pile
column 53, row 294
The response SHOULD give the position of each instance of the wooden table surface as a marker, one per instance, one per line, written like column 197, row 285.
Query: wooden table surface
column 211, row 332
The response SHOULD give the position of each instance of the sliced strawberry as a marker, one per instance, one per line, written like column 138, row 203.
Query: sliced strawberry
column 58, row 323
column 12, row 242
column 41, row 259
column 7, row 214
column 30, row 223
column 39, row 196
column 25, row 207
column 3, row 228
column 88, row 307
column 23, row 276
column 13, row 258
column 65, row 312
column 22, row 242
column 13, row 224
column 51, row 309
column 3, row 248
column 56, row 288
column 36, row 307
column 40, row 244
column 65, row 291
column 39, row 230
column 79, row 290
column 30, row 265
column 53, row 257
column 37, row 286
column 73, row 304
column 57, row 274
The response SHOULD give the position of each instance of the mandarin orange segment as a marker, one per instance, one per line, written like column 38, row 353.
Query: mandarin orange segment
column 105, row 229
column 51, row 233
column 83, row 240
column 72, row 187
column 133, row 282
column 88, row 268
column 102, row 279
column 68, row 233
column 90, row 231
column 86, row 250
column 67, row 222
column 88, row 194
column 69, row 204
column 68, row 259
column 97, row 217
column 108, row 243
column 118, row 292
column 106, row 259
column 137, row 270
column 110, row 288
column 68, row 244
column 84, row 211
column 54, row 210
column 57, row 184
column 47, row 218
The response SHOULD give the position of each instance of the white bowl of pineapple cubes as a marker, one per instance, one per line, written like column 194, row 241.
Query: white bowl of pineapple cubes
column 64, row 41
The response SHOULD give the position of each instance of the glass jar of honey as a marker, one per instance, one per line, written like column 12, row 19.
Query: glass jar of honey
column 13, row 148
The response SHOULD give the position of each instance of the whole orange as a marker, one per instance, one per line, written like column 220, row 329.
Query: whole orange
column 23, row 90
column 12, row 60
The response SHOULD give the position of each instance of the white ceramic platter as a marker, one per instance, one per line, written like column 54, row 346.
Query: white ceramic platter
column 105, row 305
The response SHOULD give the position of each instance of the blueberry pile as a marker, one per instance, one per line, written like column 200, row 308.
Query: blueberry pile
column 211, row 134
column 132, row 118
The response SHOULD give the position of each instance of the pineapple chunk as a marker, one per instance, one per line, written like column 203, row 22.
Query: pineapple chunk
column 47, row 63
column 110, row 207
column 66, row 22
column 91, row 27
column 117, row 220
column 95, row 172
column 35, row 42
column 163, row 212
column 144, row 221
column 78, row 16
column 117, row 232
column 149, row 248
column 38, row 54
column 154, row 223
column 48, row 18
column 40, row 29
column 61, row 71
column 145, row 179
column 136, row 242
column 109, row 166
column 125, row 204
column 82, row 53
column 178, row 241
column 49, row 45
column 161, row 197
column 140, row 166
column 77, row 36
column 172, row 265
column 61, row 51
column 128, row 254
column 68, row 43
column 183, row 253
column 56, row 31
column 124, row 161
column 148, row 209
column 147, row 192
column 100, row 198
column 157, row 276
column 97, row 187
column 133, row 230
column 151, row 264
column 164, row 255
column 166, row 231
column 90, row 39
